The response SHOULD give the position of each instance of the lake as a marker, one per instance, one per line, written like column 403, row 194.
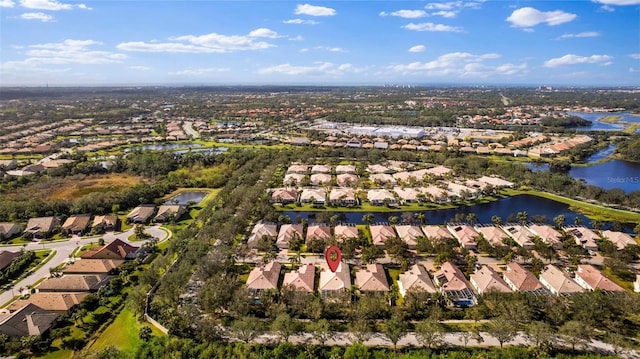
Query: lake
column 596, row 125
column 611, row 174
column 187, row 196
column 504, row 207
column 164, row 146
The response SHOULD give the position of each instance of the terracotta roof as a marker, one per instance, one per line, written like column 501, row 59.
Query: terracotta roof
column 92, row 266
column 334, row 281
column 492, row 234
column 548, row 234
column 380, row 234
column 436, row 232
column 303, row 279
column 620, row 239
column 342, row 231
column 451, row 278
column 416, row 278
column 264, row 277
column 558, row 281
column 51, row 301
column 372, row 279
column 465, row 234
column 262, row 229
column 116, row 249
column 520, row 279
column 409, row 234
column 318, row 232
column 488, row 280
column 287, row 233
column 591, row 278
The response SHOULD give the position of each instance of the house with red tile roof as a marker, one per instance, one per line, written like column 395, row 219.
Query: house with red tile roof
column 264, row 277
column 519, row 279
column 589, row 278
column 372, row 279
column 343, row 232
column 409, row 234
column 465, row 234
column 559, row 282
column 454, row 285
column 261, row 229
column 380, row 233
column 301, row 280
column 486, row 279
column 415, row 279
column 116, row 249
column 287, row 233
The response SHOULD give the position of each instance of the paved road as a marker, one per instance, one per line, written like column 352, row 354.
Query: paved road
column 62, row 250
column 187, row 127
column 450, row 339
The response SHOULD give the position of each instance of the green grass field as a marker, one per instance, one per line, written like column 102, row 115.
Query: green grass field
column 122, row 333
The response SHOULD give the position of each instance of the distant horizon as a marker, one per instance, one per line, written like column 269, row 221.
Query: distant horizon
column 327, row 43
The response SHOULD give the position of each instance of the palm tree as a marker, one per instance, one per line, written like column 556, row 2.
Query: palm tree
column 497, row 220
column 421, row 217
column 368, row 218
column 523, row 217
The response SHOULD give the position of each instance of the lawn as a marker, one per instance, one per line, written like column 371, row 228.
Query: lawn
column 122, row 333
column 59, row 354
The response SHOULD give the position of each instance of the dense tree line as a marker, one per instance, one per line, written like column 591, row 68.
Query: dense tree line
column 630, row 149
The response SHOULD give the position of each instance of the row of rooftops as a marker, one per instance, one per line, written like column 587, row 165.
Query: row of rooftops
column 448, row 279
column 57, row 296
column 465, row 234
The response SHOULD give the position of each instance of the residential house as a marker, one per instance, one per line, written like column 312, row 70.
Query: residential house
column 106, row 223
column 520, row 235
column 345, row 169
column 287, row 233
column 495, row 182
column 313, row 195
column 301, row 280
column 438, row 171
column 548, row 235
column 409, row 234
column 380, row 233
column 345, row 197
column 60, row 303
column 6, row 257
column 380, row 197
column 378, row 169
column 620, row 239
column 519, row 279
column 74, row 283
column 334, row 285
column 589, row 278
column 320, row 169
column 30, row 320
column 269, row 230
column 264, row 277
column 298, row 168
column 465, row 235
column 116, row 249
column 318, row 231
column 453, row 284
column 8, row 230
column 486, row 279
column 344, row 232
column 382, row 179
column 372, row 279
column 436, row 233
column 170, row 212
column 293, row 179
column 41, row 227
column 141, row 214
column 284, row 195
column 93, row 266
column 462, row 191
column 584, row 237
column 415, row 279
column 494, row 235
column 405, row 177
column 435, row 194
column 320, row 179
column 76, row 224
column 7, row 165
column 407, row 195
column 346, row 180
column 558, row 281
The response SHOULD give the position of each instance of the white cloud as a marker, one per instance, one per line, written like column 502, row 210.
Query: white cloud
column 571, row 59
column 7, row 3
column 209, row 43
column 452, row 8
column 311, row 10
column 296, row 38
column 407, row 14
column 63, row 53
column 264, row 32
column 197, row 72
column 51, row 5
column 331, row 49
column 140, row 68
column 462, row 65
column 417, row 48
column 619, row 2
column 528, row 17
column 301, row 22
column 635, row 56
column 429, row 26
column 580, row 34
column 445, row 14
column 318, row 69
column 40, row 16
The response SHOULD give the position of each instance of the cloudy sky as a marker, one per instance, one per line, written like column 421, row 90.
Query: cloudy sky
column 576, row 42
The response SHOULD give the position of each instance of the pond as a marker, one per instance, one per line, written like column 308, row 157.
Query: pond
column 503, row 208
column 187, row 196
column 596, row 125
column 163, row 146
column 611, row 174
column 206, row 151
column 601, row 155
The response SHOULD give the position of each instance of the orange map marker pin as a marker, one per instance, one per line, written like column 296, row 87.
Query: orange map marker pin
column 333, row 257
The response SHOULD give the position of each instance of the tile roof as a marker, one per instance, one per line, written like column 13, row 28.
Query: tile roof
column 303, row 279
column 416, row 278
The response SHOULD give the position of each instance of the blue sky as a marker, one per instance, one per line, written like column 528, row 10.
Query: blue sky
column 330, row 42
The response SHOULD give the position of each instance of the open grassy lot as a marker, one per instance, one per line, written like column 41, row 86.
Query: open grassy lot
column 593, row 211
column 122, row 333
